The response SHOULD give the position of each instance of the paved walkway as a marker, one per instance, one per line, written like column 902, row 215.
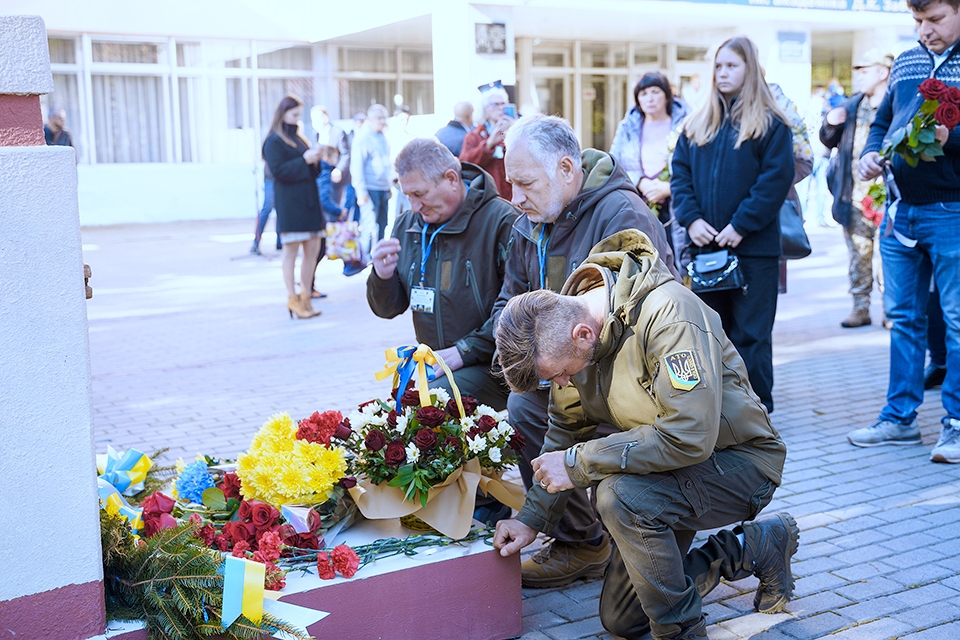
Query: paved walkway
column 192, row 348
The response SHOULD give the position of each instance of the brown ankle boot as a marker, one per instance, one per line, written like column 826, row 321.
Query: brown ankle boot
column 294, row 307
column 307, row 304
column 857, row 318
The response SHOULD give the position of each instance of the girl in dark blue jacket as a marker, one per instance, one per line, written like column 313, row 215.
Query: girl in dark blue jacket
column 732, row 170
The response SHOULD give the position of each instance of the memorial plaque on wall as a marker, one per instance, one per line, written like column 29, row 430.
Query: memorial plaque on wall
column 491, row 38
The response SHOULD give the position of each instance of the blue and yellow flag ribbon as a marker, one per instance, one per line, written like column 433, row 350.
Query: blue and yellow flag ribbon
column 114, row 504
column 125, row 472
column 243, row 590
column 403, row 362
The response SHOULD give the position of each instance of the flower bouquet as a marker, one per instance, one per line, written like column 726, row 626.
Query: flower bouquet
column 917, row 140
column 873, row 203
column 428, row 453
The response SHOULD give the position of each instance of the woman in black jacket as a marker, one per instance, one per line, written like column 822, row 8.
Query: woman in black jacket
column 732, row 169
column 295, row 167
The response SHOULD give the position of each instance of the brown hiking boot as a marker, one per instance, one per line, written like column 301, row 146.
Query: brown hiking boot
column 559, row 564
column 857, row 318
column 768, row 545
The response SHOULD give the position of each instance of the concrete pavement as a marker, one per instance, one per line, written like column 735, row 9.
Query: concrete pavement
column 192, row 348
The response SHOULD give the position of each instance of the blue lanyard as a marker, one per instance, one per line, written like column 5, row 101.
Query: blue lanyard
column 427, row 247
column 542, row 256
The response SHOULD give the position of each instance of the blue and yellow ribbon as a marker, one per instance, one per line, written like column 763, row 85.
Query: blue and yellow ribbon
column 243, row 590
column 113, row 503
column 125, row 472
column 403, row 362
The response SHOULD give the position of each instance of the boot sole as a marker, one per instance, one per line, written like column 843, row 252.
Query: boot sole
column 591, row 571
column 793, row 531
column 939, row 457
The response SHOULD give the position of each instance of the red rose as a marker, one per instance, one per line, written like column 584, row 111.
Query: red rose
column 345, row 560
column 244, row 511
column 263, row 515
column 453, row 441
column 375, row 440
column 325, row 566
column 343, row 431
column 156, row 504
column 410, row 398
column 470, row 405
column 517, row 442
column 392, row 419
column 240, row 549
column 395, row 455
column 932, row 89
column 237, row 531
column 951, row 95
column 207, row 534
column 230, row 485
column 431, row 416
column 474, row 432
column 347, row 483
column 486, row 424
column 425, row 439
column 302, row 541
column 947, row 114
column 157, row 523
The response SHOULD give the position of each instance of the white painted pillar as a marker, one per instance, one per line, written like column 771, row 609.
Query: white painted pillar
column 52, row 584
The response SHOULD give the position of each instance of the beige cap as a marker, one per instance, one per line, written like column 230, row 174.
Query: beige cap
column 874, row 57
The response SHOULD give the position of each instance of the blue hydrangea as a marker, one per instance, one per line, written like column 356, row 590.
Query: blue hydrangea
column 193, row 481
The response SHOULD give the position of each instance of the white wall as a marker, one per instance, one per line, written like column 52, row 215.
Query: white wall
column 163, row 192
column 50, row 536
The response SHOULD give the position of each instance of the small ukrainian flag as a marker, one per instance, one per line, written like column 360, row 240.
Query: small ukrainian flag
column 242, row 590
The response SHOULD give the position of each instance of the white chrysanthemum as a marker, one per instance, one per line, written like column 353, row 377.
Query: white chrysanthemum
column 484, row 410
column 357, row 419
column 376, row 419
column 441, row 394
column 401, row 424
column 495, row 455
column 504, row 430
column 467, row 423
column 477, row 444
column 413, row 454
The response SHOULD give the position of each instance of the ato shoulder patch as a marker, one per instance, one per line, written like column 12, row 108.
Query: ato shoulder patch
column 683, row 370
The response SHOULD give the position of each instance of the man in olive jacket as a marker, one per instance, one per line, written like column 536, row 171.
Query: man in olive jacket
column 571, row 199
column 446, row 261
column 626, row 344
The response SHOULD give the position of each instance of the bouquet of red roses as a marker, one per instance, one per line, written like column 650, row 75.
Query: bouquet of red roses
column 917, row 140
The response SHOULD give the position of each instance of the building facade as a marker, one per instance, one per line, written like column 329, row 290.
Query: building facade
column 168, row 110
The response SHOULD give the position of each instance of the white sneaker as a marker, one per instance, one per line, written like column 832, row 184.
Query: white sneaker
column 948, row 447
column 885, row 432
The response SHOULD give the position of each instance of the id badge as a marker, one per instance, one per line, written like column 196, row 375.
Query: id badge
column 421, row 299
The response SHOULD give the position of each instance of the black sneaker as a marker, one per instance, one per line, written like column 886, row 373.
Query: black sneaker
column 768, row 546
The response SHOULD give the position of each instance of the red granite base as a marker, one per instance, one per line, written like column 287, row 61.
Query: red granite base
column 73, row 612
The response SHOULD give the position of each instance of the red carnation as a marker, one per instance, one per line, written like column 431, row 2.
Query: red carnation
column 425, row 439
column 486, row 423
column 222, row 542
column 345, row 560
column 948, row 114
column 270, row 545
column 319, row 427
column 431, row 416
column 275, row 578
column 325, row 566
column 375, row 440
column 230, row 485
column 240, row 549
column 410, row 398
column 207, row 534
column 932, row 89
column 395, row 454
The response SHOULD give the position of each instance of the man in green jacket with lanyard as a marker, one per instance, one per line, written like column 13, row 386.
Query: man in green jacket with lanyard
column 445, row 261
column 625, row 344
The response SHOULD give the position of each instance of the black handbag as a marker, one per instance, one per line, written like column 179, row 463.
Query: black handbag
column 715, row 271
column 794, row 243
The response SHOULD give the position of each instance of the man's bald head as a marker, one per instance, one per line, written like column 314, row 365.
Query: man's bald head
column 463, row 111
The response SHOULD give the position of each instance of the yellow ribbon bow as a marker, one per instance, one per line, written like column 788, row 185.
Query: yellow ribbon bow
column 403, row 362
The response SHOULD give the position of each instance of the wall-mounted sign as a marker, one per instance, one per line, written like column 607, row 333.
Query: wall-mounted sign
column 491, row 38
column 793, row 46
column 589, row 93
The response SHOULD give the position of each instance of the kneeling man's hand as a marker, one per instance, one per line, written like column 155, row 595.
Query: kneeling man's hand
column 550, row 472
column 512, row 535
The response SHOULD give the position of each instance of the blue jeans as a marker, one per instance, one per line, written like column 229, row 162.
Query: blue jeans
column 265, row 214
column 907, row 271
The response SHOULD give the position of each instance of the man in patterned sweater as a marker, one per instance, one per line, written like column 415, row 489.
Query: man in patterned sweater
column 924, row 240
